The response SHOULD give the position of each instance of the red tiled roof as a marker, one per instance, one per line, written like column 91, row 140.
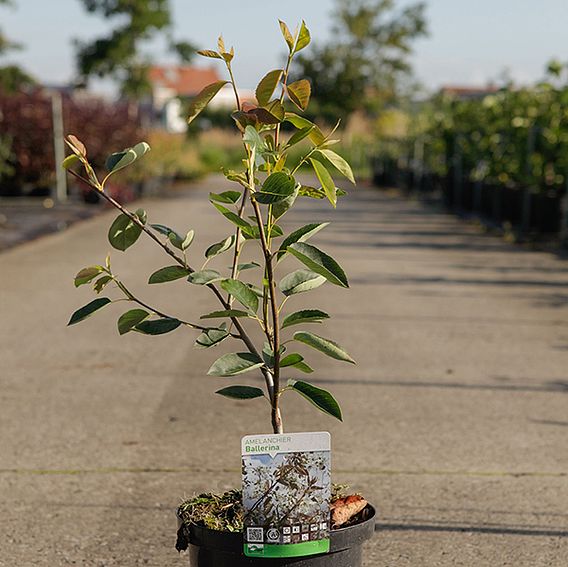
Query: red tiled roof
column 184, row 80
column 465, row 91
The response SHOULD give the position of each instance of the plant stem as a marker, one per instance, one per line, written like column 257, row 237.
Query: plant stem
column 234, row 86
column 276, row 417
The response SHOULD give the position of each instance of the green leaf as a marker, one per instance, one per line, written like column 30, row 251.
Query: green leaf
column 127, row 321
column 319, row 262
column 180, row 242
column 225, row 313
column 204, row 277
column 316, row 135
column 168, row 274
column 303, row 367
column 209, row 53
column 304, row 316
column 303, row 38
column 188, row 240
column 254, row 233
column 123, row 232
column 247, row 266
column 238, row 177
column 87, row 274
column 268, row 354
column 326, row 346
column 252, row 138
column 220, row 247
column 211, row 337
column 280, row 208
column 339, row 163
column 233, row 217
column 299, row 93
column 299, row 281
column 300, row 235
column 322, row 399
column 287, row 35
column 276, row 109
column 70, row 161
column 119, row 160
column 326, row 180
column 235, row 363
column 229, row 197
column 158, row 326
column 163, row 229
column 291, row 360
column 242, row 293
column 241, row 392
column 88, row 310
column 177, row 240
column 275, row 188
column 267, row 86
column 299, row 136
column 199, row 102
column 311, row 192
column 101, row 283
column 257, row 290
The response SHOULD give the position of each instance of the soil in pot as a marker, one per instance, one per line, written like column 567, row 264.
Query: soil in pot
column 211, row 527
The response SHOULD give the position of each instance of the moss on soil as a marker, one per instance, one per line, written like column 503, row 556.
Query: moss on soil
column 224, row 512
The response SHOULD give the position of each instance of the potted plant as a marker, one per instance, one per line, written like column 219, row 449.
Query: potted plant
column 265, row 189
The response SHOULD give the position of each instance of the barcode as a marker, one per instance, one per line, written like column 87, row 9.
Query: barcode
column 255, row 535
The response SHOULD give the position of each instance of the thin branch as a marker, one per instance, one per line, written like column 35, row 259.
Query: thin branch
column 132, row 297
column 243, row 336
column 234, row 86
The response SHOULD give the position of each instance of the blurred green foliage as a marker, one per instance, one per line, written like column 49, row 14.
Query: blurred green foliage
column 516, row 136
column 117, row 55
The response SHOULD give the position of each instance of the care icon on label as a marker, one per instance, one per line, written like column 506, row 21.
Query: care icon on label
column 273, row 535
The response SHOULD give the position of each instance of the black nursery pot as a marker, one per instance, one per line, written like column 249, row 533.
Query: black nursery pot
column 210, row 548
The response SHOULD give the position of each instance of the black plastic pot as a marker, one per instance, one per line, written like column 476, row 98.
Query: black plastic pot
column 210, row 548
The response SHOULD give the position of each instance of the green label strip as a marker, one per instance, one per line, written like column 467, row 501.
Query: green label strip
column 287, row 550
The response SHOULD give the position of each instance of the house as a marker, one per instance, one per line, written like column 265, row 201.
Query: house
column 468, row 93
column 172, row 83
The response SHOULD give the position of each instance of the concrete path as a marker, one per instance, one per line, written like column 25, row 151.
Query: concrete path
column 26, row 218
column 456, row 417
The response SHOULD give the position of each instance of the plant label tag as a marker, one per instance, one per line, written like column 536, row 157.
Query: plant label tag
column 286, row 494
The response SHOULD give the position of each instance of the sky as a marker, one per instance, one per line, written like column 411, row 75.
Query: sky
column 471, row 42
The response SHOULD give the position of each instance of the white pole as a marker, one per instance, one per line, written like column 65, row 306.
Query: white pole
column 59, row 148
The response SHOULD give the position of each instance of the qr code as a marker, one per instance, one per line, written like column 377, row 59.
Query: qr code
column 255, row 535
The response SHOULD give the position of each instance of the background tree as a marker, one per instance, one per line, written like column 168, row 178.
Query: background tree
column 118, row 54
column 364, row 64
column 12, row 77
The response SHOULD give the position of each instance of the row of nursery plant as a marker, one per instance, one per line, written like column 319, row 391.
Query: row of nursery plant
column 515, row 137
column 502, row 157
